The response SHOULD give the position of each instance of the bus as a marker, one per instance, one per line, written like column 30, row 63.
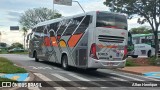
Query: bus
column 130, row 47
column 144, row 44
column 92, row 40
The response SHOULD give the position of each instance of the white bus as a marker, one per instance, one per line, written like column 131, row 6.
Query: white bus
column 144, row 44
column 92, row 40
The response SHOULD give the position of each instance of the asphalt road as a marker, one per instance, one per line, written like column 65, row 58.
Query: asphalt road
column 53, row 77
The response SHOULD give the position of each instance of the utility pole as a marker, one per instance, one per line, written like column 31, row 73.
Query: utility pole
column 64, row 2
column 79, row 5
column 112, row 6
column 53, row 8
column 0, row 36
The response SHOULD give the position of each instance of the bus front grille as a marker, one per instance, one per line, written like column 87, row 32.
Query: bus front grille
column 114, row 39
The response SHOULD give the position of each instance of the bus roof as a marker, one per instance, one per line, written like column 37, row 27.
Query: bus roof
column 143, row 35
column 62, row 18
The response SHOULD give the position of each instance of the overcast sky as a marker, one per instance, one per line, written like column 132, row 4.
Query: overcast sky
column 11, row 10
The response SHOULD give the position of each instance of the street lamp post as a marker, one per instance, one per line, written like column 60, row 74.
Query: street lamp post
column 0, row 36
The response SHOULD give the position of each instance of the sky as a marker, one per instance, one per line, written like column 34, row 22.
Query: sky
column 11, row 10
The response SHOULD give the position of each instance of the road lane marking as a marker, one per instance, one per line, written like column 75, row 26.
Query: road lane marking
column 66, row 79
column 127, row 77
column 44, row 78
column 78, row 77
column 90, row 81
column 116, row 78
column 59, row 88
column 61, row 77
column 40, row 68
column 41, row 76
column 33, row 88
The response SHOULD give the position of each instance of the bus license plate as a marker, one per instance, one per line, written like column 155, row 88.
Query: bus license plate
column 110, row 63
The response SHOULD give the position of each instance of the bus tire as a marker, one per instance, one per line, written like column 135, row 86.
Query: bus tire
column 149, row 53
column 134, row 56
column 35, row 56
column 65, row 62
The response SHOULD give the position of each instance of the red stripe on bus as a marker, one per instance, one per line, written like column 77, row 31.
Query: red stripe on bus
column 47, row 41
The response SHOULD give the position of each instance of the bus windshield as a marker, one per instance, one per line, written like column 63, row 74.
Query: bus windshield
column 111, row 20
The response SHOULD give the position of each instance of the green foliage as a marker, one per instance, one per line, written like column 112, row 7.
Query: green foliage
column 140, row 30
column 24, row 29
column 32, row 17
column 154, row 61
column 3, row 44
column 7, row 66
column 143, row 8
column 130, row 63
column 130, row 48
column 16, row 45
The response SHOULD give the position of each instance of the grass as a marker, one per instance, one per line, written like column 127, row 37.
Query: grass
column 5, row 52
column 8, row 67
column 19, row 53
column 130, row 63
column 152, row 60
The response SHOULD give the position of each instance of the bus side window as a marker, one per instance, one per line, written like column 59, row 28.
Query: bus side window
column 54, row 26
column 51, row 34
column 38, row 32
column 31, row 36
column 84, row 25
column 63, row 26
column 73, row 25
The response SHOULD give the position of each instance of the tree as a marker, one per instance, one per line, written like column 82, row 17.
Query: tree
column 141, row 30
column 148, row 10
column 4, row 45
column 32, row 17
column 16, row 45
column 24, row 29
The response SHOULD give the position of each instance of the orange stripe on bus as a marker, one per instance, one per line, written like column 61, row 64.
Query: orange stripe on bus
column 54, row 42
column 74, row 39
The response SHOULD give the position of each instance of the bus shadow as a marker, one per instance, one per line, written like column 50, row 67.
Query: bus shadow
column 81, row 71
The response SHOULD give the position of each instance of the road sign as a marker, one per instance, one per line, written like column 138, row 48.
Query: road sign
column 14, row 27
column 63, row 2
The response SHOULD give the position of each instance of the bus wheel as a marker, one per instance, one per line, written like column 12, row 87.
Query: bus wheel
column 149, row 54
column 134, row 56
column 36, row 58
column 65, row 62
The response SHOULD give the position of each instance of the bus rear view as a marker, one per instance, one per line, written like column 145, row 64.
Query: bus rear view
column 109, row 45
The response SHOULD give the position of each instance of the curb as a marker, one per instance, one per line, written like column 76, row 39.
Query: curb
column 128, row 71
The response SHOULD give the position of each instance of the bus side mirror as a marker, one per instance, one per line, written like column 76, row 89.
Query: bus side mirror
column 28, row 37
